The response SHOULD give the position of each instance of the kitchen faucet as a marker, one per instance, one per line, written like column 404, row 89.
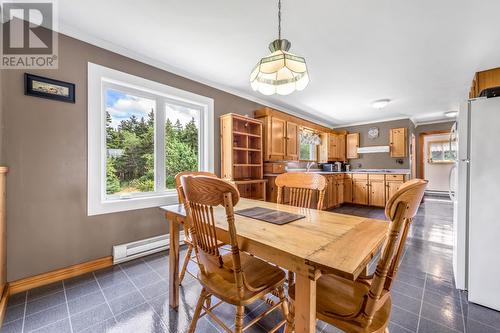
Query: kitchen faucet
column 309, row 165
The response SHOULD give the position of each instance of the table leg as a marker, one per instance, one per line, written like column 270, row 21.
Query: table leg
column 174, row 264
column 305, row 304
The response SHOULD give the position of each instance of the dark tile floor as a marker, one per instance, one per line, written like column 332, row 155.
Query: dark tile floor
column 133, row 297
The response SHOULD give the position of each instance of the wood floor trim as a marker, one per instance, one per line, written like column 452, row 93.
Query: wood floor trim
column 58, row 275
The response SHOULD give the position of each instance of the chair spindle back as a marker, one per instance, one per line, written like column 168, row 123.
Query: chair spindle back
column 201, row 195
column 301, row 186
column 178, row 185
column 400, row 210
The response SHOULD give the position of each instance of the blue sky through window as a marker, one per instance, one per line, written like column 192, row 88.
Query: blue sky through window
column 121, row 106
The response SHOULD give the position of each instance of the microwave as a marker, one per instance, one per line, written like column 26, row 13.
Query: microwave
column 328, row 167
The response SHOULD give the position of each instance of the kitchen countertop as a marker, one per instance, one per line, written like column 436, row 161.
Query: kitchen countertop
column 382, row 171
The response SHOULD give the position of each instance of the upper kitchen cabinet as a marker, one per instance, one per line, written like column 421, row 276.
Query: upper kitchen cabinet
column 483, row 81
column 292, row 141
column 275, row 139
column 281, row 141
column 333, row 147
column 281, row 134
column 352, row 145
column 341, row 142
column 398, row 142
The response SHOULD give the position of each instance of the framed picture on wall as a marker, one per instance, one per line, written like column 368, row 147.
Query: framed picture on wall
column 441, row 152
column 44, row 87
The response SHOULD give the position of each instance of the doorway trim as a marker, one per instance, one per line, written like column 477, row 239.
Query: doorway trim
column 421, row 148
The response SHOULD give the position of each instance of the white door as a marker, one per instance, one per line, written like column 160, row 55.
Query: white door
column 484, row 220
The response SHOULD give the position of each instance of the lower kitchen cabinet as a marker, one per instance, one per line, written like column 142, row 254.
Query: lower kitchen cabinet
column 360, row 189
column 392, row 184
column 329, row 199
column 347, row 188
column 340, row 189
column 376, row 190
column 334, row 193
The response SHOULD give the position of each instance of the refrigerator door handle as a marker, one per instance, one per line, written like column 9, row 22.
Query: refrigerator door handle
column 450, row 176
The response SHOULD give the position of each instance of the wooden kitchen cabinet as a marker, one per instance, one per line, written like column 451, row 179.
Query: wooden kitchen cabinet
column 341, row 142
column 281, row 134
column 339, row 183
column 241, row 154
column 484, row 80
column 360, row 189
column 337, row 147
column 332, row 147
column 348, row 188
column 352, row 145
column 281, row 139
column 392, row 184
column 275, row 149
column 398, row 142
column 292, row 141
column 376, row 190
column 323, row 152
column 329, row 200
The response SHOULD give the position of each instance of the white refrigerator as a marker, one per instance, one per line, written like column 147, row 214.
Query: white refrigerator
column 477, row 203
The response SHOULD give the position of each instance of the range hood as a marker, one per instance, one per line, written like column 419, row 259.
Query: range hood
column 373, row 149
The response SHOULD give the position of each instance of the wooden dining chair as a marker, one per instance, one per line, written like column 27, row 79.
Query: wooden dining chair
column 301, row 186
column 187, row 235
column 236, row 277
column 364, row 305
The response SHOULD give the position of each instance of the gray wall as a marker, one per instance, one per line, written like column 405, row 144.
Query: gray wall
column 378, row 160
column 429, row 128
column 45, row 146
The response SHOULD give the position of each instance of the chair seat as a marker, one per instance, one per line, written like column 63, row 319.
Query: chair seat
column 260, row 276
column 336, row 297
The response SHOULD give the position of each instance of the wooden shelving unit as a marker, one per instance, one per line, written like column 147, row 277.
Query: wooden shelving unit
column 241, row 154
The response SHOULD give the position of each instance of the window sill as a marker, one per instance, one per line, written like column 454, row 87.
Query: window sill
column 121, row 205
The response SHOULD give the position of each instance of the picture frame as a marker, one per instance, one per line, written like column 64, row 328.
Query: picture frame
column 441, row 152
column 43, row 87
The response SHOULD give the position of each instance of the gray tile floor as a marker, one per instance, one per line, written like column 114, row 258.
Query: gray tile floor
column 133, row 297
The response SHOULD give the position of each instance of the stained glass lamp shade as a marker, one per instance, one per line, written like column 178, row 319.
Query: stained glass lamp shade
column 281, row 72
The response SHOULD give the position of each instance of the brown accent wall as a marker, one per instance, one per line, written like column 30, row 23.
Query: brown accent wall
column 428, row 128
column 379, row 160
column 45, row 146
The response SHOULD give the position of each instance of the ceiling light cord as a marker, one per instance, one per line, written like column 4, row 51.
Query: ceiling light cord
column 279, row 19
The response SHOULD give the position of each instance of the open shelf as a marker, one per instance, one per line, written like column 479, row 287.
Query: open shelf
column 246, row 149
column 246, row 134
column 247, row 126
column 254, row 157
column 254, row 142
column 241, row 154
column 252, row 190
column 240, row 141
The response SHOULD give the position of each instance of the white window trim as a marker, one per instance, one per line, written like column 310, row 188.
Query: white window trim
column 97, row 203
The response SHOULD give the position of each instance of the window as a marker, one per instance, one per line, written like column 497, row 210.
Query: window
column 308, row 145
column 140, row 135
column 441, row 151
column 307, row 152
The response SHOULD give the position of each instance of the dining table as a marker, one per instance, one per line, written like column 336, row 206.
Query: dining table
column 321, row 242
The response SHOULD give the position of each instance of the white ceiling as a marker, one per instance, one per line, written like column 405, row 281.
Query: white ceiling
column 421, row 54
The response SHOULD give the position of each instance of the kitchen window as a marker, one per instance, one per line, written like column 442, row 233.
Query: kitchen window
column 309, row 142
column 140, row 135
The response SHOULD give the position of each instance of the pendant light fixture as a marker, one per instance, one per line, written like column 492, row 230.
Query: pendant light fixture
column 281, row 72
